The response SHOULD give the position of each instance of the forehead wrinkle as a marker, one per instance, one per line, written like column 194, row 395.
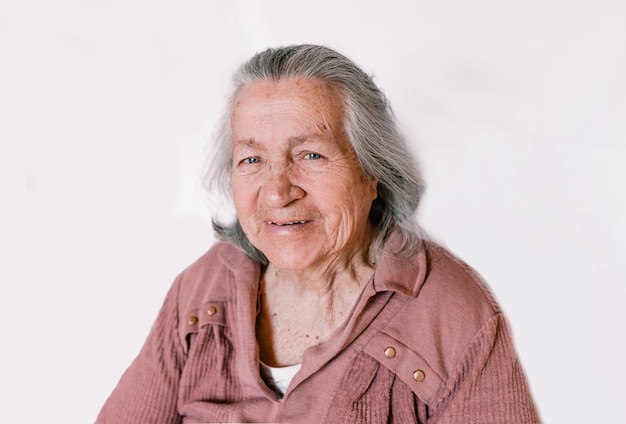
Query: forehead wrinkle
column 325, row 119
column 322, row 131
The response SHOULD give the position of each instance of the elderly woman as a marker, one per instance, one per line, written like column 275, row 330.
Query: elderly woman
column 322, row 303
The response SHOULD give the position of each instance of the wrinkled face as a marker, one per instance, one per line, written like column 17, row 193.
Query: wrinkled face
column 300, row 195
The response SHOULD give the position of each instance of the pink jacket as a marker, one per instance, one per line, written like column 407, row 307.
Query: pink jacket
column 425, row 343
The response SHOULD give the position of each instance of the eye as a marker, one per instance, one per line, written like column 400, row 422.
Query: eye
column 312, row 156
column 250, row 160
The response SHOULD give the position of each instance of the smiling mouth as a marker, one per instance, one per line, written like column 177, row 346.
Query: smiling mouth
column 282, row 224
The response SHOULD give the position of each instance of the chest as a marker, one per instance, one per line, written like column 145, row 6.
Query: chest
column 285, row 329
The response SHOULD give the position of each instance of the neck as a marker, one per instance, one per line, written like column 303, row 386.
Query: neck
column 350, row 273
column 297, row 311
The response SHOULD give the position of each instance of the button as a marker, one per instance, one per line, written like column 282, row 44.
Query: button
column 211, row 310
column 192, row 320
column 390, row 352
column 419, row 375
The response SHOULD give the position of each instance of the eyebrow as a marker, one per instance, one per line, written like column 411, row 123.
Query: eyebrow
column 247, row 142
column 294, row 141
column 300, row 139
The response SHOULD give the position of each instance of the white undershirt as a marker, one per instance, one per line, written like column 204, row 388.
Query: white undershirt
column 279, row 378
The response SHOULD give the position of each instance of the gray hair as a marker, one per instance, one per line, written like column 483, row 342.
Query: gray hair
column 381, row 149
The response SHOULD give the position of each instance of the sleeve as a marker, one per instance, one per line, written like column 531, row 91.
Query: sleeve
column 488, row 385
column 148, row 391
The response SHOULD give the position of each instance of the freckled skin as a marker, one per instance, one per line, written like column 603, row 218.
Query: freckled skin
column 302, row 200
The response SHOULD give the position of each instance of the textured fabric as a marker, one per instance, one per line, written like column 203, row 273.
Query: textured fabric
column 451, row 360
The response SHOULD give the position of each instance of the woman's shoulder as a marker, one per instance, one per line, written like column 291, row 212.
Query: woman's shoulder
column 222, row 257
column 456, row 284
column 451, row 306
column 214, row 275
column 435, row 281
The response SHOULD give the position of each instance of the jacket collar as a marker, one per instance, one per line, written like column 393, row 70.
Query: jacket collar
column 399, row 273
column 396, row 273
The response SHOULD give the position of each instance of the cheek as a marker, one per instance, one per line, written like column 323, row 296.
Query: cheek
column 352, row 211
column 348, row 225
column 243, row 196
column 351, row 200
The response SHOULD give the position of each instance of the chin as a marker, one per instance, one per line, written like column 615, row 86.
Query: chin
column 292, row 262
column 290, row 258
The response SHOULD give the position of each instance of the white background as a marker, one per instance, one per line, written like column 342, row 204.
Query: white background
column 517, row 111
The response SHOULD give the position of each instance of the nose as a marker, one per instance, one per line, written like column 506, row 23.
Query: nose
column 278, row 188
